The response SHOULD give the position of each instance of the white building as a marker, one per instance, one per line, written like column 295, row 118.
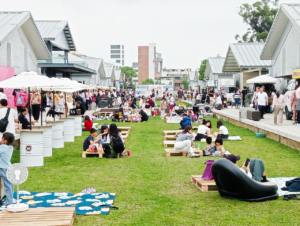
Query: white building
column 117, row 55
column 21, row 44
column 109, row 76
column 282, row 46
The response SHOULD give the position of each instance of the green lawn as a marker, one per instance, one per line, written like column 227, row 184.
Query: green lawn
column 156, row 190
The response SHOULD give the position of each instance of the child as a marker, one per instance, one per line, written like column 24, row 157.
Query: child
column 6, row 150
column 90, row 145
column 116, row 118
column 210, row 148
column 220, row 150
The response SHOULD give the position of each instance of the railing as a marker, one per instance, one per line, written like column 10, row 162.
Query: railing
column 62, row 58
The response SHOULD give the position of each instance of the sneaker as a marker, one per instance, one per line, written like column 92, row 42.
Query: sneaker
column 294, row 123
column 193, row 155
column 92, row 190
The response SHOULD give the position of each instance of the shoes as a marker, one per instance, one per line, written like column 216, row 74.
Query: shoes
column 288, row 197
column 294, row 123
column 193, row 155
column 89, row 190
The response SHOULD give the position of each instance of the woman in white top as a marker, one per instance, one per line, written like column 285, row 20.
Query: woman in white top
column 60, row 107
column 278, row 101
column 218, row 100
column 142, row 101
column 204, row 130
column 223, row 131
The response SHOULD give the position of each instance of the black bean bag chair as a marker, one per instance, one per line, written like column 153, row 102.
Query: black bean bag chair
column 232, row 183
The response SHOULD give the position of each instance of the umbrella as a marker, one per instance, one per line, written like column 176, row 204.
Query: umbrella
column 266, row 79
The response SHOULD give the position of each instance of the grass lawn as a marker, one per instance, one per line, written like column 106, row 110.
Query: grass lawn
column 156, row 190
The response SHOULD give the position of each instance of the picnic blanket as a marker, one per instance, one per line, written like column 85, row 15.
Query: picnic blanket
column 86, row 204
column 280, row 181
column 237, row 138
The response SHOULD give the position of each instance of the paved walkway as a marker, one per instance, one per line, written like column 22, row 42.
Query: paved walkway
column 287, row 129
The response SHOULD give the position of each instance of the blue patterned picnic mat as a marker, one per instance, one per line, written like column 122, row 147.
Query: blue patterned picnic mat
column 86, row 204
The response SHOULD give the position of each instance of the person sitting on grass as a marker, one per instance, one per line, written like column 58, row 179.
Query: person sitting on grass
column 88, row 124
column 255, row 168
column 91, row 145
column 116, row 141
column 104, row 139
column 148, row 105
column 6, row 151
column 204, row 130
column 223, row 131
column 210, row 148
column 184, row 142
column 115, row 117
column 186, row 121
column 23, row 120
column 220, row 150
column 144, row 116
column 121, row 112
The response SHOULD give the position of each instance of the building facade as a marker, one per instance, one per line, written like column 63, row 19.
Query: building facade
column 117, row 55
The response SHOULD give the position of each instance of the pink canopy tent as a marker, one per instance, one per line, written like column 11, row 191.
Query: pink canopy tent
column 5, row 73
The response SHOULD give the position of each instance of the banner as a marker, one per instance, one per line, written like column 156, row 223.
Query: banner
column 145, row 90
column 5, row 73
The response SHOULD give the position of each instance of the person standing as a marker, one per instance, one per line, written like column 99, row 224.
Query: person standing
column 36, row 105
column 293, row 104
column 180, row 95
column 262, row 101
column 253, row 101
column 298, row 106
column 82, row 94
column 222, row 94
column 12, row 117
column 244, row 94
column 163, row 107
column 237, row 97
column 278, row 101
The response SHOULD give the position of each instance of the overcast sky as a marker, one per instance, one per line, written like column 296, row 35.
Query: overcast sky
column 185, row 31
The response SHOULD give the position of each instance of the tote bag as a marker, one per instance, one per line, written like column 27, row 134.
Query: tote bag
column 207, row 175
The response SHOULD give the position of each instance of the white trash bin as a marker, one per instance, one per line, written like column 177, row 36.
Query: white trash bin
column 69, row 129
column 47, row 138
column 31, row 147
column 57, row 133
column 77, row 126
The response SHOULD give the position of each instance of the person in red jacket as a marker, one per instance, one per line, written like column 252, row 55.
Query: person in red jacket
column 88, row 124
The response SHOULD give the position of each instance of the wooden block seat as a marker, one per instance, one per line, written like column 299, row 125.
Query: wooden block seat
column 124, row 128
column 204, row 185
column 85, row 153
column 62, row 216
column 170, row 132
column 170, row 137
column 169, row 142
column 168, row 152
column 253, row 114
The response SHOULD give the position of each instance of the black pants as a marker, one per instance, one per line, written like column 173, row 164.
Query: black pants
column 243, row 102
column 200, row 136
column 262, row 110
column 106, row 149
column 298, row 117
column 36, row 111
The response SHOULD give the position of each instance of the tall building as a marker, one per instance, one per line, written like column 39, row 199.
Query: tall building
column 149, row 63
column 117, row 55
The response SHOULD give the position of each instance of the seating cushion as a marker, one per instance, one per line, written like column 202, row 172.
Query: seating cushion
column 232, row 183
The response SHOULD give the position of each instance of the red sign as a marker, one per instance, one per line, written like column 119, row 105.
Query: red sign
column 28, row 148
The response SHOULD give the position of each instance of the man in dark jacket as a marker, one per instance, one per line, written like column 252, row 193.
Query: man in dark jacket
column 186, row 121
column 23, row 120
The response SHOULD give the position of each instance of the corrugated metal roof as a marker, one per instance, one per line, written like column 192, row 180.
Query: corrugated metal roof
column 50, row 29
column 216, row 64
column 12, row 21
column 243, row 56
column 287, row 12
column 118, row 74
column 93, row 63
column 108, row 71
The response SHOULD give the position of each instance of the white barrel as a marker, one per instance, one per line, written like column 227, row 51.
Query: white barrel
column 57, row 133
column 68, row 129
column 31, row 148
column 47, row 139
column 78, row 126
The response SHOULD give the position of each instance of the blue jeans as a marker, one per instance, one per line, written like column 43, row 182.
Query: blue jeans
column 237, row 101
column 8, row 187
column 216, row 153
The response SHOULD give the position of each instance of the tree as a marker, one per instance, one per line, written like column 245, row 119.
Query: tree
column 148, row 82
column 170, row 83
column 185, row 83
column 158, row 82
column 259, row 16
column 202, row 69
column 129, row 74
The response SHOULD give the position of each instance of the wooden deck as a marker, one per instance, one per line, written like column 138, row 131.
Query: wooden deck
column 204, row 185
column 63, row 216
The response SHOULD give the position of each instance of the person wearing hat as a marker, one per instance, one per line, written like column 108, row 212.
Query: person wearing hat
column 255, row 168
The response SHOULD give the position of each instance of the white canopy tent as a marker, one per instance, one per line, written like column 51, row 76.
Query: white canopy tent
column 263, row 79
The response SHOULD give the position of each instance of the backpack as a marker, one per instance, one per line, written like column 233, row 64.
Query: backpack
column 21, row 99
column 117, row 144
column 4, row 122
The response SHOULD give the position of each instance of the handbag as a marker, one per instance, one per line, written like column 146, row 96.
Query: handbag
column 207, row 175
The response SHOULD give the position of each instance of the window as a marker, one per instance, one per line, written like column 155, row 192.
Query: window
column 115, row 46
column 177, row 84
column 115, row 56
column 115, row 51
column 122, row 51
column 122, row 62
column 122, row 46
column 118, row 61
column 123, row 56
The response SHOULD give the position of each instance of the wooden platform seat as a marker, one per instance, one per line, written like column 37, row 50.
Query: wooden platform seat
column 170, row 137
column 204, row 185
column 84, row 154
column 168, row 152
column 123, row 128
column 63, row 216
column 170, row 132
column 169, row 143
column 124, row 132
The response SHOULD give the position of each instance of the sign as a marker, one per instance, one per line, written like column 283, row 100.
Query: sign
column 210, row 83
column 28, row 149
column 227, row 82
column 296, row 74
column 145, row 90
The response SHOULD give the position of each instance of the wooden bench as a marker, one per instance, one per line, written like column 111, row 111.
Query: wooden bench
column 170, row 137
column 204, row 185
column 170, row 132
column 122, row 128
column 124, row 132
column 169, row 142
column 85, row 153
column 63, row 216
column 168, row 152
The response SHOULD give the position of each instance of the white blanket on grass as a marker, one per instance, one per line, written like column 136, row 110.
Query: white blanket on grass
column 280, row 181
column 229, row 138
